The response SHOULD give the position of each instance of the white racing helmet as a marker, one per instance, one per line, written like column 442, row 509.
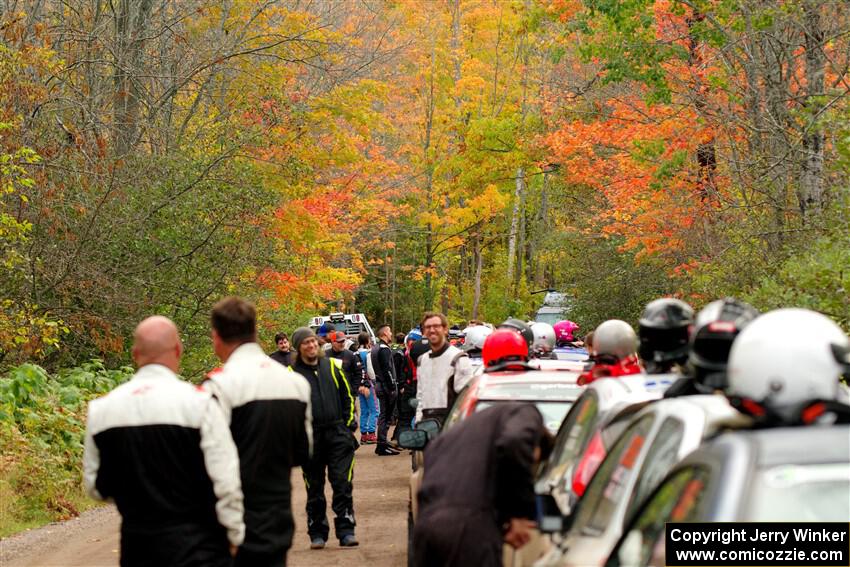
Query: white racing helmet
column 787, row 357
column 544, row 337
column 615, row 338
column 476, row 335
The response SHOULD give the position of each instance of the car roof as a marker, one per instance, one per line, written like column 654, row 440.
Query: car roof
column 557, row 365
column 778, row 446
column 716, row 410
column 781, row 446
column 571, row 353
column 553, row 386
column 635, row 383
column 527, row 376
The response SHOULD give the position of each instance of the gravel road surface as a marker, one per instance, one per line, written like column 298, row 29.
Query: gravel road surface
column 380, row 506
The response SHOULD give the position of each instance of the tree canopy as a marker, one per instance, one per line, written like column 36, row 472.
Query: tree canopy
column 392, row 157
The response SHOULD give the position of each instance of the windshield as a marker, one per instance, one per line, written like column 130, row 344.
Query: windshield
column 809, row 493
column 553, row 412
column 550, row 318
column 350, row 328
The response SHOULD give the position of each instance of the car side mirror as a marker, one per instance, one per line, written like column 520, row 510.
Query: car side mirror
column 414, row 439
column 550, row 520
column 429, row 426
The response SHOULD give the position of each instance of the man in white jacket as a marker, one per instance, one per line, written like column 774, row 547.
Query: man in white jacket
column 160, row 448
column 268, row 408
column 443, row 372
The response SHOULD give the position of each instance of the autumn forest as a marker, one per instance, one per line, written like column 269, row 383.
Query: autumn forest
column 391, row 156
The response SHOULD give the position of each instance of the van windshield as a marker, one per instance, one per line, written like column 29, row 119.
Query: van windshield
column 350, row 328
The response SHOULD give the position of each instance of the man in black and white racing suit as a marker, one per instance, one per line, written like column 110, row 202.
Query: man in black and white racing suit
column 160, row 448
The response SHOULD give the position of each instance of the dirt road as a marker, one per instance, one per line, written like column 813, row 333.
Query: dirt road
column 380, row 505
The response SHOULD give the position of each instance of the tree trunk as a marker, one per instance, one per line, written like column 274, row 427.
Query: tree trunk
column 775, row 171
column 429, row 185
column 479, row 264
column 131, row 23
column 512, row 237
column 521, row 238
column 706, row 155
column 542, row 226
column 811, row 192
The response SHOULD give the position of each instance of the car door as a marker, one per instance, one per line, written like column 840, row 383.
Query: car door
column 682, row 497
column 456, row 413
column 571, row 441
column 661, row 457
column 608, row 487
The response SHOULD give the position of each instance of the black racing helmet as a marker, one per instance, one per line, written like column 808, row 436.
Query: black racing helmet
column 664, row 331
column 418, row 348
column 522, row 327
column 715, row 329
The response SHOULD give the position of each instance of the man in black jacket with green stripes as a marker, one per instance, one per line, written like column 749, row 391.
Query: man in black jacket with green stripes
column 333, row 442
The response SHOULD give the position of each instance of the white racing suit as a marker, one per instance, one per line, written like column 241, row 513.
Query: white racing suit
column 441, row 376
column 160, row 448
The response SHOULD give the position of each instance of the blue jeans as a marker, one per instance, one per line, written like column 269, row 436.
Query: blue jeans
column 368, row 411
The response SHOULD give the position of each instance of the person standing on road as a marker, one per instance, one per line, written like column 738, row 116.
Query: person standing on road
column 366, row 394
column 349, row 361
column 268, row 408
column 322, row 334
column 386, row 387
column 443, row 372
column 406, row 386
column 160, row 448
column 282, row 355
column 477, row 488
column 334, row 442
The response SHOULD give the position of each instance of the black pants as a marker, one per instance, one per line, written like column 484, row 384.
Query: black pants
column 250, row 559
column 405, row 412
column 333, row 449
column 268, row 533
column 456, row 537
column 175, row 546
column 387, row 397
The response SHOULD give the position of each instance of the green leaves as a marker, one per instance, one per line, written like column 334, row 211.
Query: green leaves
column 818, row 277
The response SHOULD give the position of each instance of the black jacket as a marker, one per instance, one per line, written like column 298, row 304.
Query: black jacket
column 330, row 394
column 284, row 358
column 382, row 363
column 476, row 476
column 351, row 367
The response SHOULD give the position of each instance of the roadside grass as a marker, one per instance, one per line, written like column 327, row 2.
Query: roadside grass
column 42, row 424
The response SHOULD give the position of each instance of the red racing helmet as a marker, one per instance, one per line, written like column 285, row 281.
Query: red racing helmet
column 503, row 347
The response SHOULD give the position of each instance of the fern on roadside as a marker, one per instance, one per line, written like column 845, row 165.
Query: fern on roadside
column 42, row 424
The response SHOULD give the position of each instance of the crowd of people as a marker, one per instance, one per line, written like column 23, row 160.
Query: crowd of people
column 783, row 368
column 201, row 475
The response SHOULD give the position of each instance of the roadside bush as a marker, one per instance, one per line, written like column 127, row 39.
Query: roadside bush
column 42, row 424
column 817, row 278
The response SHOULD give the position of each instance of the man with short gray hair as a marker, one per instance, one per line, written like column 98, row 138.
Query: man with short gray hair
column 160, row 448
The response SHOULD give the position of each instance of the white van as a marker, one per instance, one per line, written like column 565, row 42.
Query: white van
column 352, row 324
